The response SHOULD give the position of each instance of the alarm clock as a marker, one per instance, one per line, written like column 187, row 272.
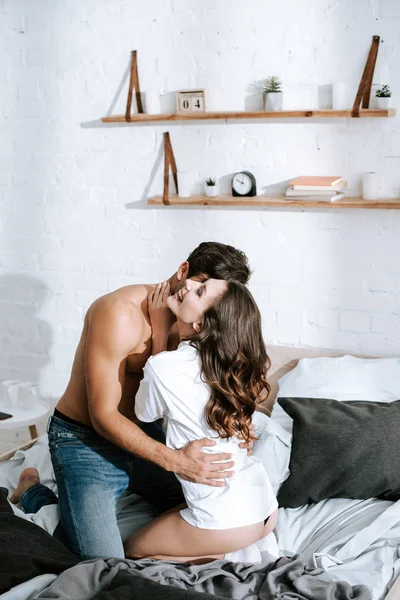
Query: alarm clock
column 244, row 184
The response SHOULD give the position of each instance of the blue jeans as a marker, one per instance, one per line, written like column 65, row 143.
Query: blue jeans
column 91, row 474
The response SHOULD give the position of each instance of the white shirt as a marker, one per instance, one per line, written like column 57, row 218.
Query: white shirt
column 172, row 388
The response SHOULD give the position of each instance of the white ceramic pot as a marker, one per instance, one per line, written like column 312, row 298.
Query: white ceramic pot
column 211, row 190
column 384, row 103
column 273, row 100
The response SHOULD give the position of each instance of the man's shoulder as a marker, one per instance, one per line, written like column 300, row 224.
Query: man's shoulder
column 129, row 294
column 123, row 301
column 120, row 317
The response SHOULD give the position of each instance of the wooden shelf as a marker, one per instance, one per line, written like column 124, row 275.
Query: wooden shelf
column 275, row 201
column 282, row 114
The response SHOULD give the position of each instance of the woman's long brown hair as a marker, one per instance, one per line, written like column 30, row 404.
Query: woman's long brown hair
column 234, row 361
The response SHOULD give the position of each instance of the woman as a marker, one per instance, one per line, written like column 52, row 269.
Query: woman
column 209, row 387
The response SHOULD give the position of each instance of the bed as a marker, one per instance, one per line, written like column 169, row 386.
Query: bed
column 352, row 540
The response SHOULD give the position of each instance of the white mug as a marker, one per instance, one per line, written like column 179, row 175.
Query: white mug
column 29, row 394
column 11, row 389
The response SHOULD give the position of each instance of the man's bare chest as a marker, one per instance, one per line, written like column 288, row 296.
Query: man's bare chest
column 135, row 362
column 137, row 359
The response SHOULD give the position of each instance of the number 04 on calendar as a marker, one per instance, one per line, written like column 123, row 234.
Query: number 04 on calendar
column 190, row 101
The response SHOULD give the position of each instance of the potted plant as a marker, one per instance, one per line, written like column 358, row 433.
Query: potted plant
column 383, row 96
column 273, row 95
column 210, row 187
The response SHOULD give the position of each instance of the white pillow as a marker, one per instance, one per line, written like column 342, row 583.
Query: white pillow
column 272, row 448
column 339, row 378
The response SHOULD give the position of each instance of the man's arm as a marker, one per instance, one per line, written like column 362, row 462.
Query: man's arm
column 110, row 339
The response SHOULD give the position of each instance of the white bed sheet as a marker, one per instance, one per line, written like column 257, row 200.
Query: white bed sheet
column 354, row 540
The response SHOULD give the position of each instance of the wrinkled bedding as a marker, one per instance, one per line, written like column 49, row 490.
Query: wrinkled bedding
column 286, row 579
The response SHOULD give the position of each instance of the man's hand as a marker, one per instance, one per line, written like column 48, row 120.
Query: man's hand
column 199, row 467
column 161, row 318
column 248, row 445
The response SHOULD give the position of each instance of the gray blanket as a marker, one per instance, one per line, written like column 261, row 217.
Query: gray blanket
column 285, row 578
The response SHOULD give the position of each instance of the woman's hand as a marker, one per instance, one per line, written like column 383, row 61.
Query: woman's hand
column 199, row 467
column 161, row 318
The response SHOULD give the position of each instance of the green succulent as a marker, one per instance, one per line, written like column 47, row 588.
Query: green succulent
column 383, row 92
column 211, row 181
column 271, row 85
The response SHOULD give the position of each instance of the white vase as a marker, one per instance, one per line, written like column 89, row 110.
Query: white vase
column 383, row 103
column 152, row 104
column 211, row 190
column 370, row 186
column 273, row 100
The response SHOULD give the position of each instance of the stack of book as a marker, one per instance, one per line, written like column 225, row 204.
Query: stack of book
column 317, row 188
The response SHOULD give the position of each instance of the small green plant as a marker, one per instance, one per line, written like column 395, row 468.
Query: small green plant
column 211, row 181
column 383, row 92
column 271, row 85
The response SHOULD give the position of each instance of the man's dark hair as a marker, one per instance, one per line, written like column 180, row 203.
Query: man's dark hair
column 219, row 261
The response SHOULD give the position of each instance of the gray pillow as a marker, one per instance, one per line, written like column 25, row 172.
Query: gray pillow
column 342, row 450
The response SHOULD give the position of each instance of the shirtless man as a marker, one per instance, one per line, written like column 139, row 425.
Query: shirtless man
column 97, row 449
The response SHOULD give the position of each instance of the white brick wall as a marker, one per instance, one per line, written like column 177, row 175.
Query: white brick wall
column 327, row 279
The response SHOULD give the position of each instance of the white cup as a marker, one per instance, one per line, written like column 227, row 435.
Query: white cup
column 152, row 103
column 29, row 394
column 185, row 183
column 11, row 389
column 370, row 186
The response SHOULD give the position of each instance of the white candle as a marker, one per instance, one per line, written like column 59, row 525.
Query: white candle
column 185, row 181
column 370, row 186
column 152, row 105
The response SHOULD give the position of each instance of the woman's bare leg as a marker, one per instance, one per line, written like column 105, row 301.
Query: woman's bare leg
column 170, row 536
column 268, row 528
column 195, row 559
